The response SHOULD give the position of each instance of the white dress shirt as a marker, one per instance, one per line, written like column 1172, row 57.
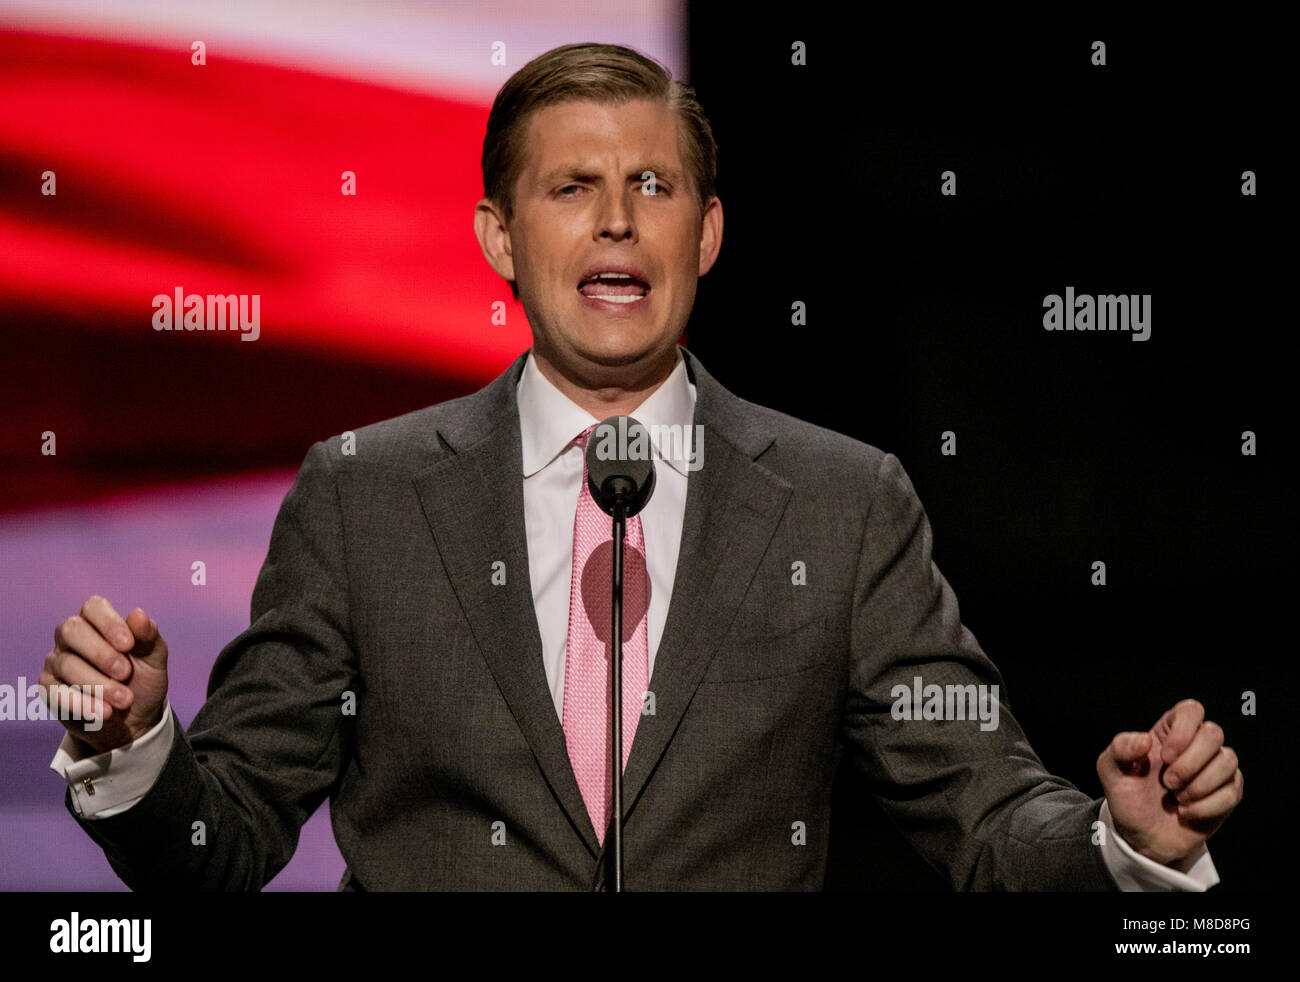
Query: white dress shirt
column 109, row 783
column 549, row 421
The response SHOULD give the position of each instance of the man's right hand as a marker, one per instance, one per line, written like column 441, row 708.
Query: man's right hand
column 128, row 657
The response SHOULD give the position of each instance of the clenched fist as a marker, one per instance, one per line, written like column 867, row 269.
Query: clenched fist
column 127, row 657
column 1171, row 787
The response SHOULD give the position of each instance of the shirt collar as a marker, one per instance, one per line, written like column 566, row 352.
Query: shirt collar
column 549, row 420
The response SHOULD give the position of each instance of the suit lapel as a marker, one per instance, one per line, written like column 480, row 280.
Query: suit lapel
column 733, row 506
column 473, row 500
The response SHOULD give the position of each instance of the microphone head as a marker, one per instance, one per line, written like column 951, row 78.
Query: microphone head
column 620, row 463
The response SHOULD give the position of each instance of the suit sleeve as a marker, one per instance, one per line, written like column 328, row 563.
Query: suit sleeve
column 976, row 803
column 271, row 741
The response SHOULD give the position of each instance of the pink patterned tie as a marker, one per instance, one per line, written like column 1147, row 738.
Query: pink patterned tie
column 587, row 651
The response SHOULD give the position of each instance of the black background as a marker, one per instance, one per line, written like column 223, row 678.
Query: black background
column 924, row 314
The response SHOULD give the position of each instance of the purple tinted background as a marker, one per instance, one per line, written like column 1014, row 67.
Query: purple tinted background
column 137, row 551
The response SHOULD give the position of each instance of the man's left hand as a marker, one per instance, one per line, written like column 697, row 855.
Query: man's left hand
column 1170, row 788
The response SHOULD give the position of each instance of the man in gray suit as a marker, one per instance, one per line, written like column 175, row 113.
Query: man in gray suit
column 413, row 650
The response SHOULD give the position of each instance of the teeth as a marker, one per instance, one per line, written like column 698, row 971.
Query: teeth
column 613, row 276
column 617, row 299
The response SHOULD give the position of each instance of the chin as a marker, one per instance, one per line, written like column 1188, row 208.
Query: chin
column 616, row 350
column 615, row 344
column 616, row 355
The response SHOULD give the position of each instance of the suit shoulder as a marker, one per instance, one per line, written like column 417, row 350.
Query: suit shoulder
column 801, row 447
column 822, row 464
column 406, row 442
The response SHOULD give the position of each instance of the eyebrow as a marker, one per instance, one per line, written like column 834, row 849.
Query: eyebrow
column 580, row 173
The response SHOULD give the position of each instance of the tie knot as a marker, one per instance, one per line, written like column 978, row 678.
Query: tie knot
column 582, row 438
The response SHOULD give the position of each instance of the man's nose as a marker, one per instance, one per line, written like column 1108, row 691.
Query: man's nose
column 616, row 219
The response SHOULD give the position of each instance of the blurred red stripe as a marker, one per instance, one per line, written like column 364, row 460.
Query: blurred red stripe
column 226, row 179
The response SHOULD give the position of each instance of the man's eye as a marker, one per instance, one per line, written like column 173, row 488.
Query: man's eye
column 567, row 187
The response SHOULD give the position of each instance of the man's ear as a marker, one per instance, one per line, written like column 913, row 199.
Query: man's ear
column 710, row 235
column 494, row 238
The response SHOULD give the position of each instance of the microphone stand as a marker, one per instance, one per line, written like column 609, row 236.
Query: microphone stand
column 616, row 684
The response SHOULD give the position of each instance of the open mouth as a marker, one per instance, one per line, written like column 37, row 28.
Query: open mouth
column 614, row 287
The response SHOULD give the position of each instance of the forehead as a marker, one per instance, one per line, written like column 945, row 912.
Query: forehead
column 582, row 132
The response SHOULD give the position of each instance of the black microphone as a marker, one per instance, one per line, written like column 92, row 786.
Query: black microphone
column 621, row 478
column 619, row 464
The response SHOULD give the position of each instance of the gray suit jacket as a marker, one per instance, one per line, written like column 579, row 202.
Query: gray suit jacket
column 378, row 582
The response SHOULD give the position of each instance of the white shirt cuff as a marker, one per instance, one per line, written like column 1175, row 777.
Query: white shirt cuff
column 1136, row 873
column 109, row 783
